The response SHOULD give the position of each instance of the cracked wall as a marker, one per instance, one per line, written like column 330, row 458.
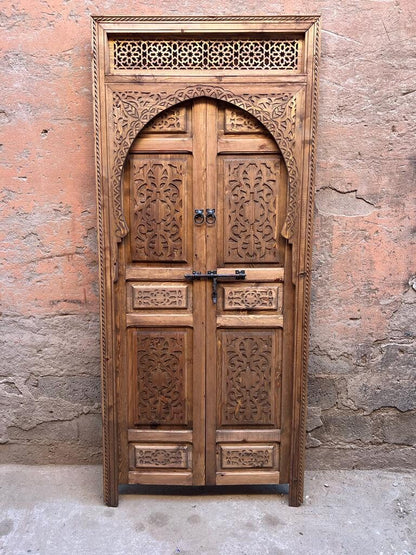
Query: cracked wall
column 362, row 397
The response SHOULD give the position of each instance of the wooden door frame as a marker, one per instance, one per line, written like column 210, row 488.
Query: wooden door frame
column 124, row 102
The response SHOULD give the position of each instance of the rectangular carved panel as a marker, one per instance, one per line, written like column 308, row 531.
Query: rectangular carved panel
column 254, row 297
column 169, row 121
column 251, row 188
column 247, row 456
column 161, row 456
column 133, row 54
column 159, row 296
column 250, row 382
column 163, row 376
column 159, row 208
column 238, row 121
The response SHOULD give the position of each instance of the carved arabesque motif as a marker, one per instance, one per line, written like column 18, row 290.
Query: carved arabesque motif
column 132, row 110
column 237, row 121
column 161, row 377
column 243, row 54
column 169, row 121
column 247, row 457
column 251, row 233
column 160, row 297
column 165, row 457
column 158, row 219
column 247, row 367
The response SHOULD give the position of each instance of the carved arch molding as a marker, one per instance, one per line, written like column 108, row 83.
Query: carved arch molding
column 132, row 110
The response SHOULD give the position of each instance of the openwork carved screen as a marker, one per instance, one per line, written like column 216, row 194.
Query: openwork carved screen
column 132, row 54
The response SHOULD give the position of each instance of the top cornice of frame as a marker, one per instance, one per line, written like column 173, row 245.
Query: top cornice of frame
column 257, row 23
column 196, row 18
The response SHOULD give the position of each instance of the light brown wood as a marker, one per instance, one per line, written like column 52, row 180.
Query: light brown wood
column 247, row 478
column 160, row 478
column 244, row 321
column 154, row 320
column 216, row 388
column 247, row 436
column 162, row 436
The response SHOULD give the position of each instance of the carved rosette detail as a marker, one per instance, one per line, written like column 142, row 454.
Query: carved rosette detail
column 259, row 298
column 132, row 110
column 133, row 54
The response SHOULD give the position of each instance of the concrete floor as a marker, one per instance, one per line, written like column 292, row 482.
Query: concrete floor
column 58, row 510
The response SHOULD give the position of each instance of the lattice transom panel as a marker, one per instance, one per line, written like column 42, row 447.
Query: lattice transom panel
column 218, row 54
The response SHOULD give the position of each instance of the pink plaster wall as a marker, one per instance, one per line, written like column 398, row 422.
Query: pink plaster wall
column 362, row 366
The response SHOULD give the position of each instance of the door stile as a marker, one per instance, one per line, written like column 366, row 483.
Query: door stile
column 303, row 279
column 124, row 366
column 211, row 308
column 287, row 368
column 199, row 123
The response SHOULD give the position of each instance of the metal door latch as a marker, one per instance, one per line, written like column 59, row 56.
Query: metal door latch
column 214, row 276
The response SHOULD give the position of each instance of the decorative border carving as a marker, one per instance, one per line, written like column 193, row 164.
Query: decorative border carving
column 101, row 268
column 276, row 18
column 299, row 485
column 132, row 110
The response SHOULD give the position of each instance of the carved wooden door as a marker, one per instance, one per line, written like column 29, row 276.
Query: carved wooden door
column 201, row 356
column 205, row 134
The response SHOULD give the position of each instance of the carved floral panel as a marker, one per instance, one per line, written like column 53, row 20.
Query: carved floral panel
column 158, row 208
column 250, row 216
column 248, row 384
column 162, row 375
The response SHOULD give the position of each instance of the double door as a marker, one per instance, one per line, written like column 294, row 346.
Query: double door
column 204, row 303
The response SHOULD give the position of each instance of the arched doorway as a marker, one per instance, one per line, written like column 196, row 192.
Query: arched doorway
column 204, row 302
